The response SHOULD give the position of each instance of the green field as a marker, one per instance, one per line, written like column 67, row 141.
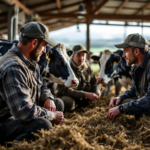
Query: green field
column 95, row 67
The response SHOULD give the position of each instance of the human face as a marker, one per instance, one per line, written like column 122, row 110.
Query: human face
column 38, row 51
column 79, row 58
column 129, row 56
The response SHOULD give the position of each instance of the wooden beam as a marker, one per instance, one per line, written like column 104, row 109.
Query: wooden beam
column 142, row 9
column 121, row 6
column 99, row 16
column 35, row 6
column 59, row 5
column 45, row 12
column 97, row 9
column 23, row 7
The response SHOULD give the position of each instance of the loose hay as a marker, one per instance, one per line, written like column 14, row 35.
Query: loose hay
column 88, row 129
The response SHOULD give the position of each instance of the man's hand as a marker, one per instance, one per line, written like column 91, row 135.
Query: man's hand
column 115, row 102
column 50, row 105
column 91, row 96
column 58, row 117
column 113, row 113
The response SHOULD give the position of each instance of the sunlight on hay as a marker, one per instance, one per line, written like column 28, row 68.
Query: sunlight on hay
column 88, row 129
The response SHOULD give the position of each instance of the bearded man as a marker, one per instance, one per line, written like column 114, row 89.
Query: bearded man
column 88, row 88
column 136, row 100
column 22, row 88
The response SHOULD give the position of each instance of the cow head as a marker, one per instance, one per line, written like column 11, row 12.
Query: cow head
column 57, row 68
column 107, row 61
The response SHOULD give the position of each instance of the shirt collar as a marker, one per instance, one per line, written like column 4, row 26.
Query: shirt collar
column 145, row 60
column 23, row 58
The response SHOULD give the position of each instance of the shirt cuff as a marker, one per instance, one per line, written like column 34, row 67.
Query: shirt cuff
column 125, row 106
column 50, row 115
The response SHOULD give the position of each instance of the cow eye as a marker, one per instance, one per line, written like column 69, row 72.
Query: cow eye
column 109, row 64
column 58, row 62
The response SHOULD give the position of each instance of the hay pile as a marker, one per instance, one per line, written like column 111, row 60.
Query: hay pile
column 88, row 129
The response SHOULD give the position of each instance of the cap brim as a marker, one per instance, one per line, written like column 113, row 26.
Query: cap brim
column 81, row 51
column 122, row 45
column 49, row 41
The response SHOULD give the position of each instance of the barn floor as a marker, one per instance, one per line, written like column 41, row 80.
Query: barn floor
column 88, row 129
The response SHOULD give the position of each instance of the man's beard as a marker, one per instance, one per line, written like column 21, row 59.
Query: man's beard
column 129, row 63
column 35, row 54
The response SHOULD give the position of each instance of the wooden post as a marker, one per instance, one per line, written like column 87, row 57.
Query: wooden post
column 88, row 20
column 88, row 37
column 10, row 14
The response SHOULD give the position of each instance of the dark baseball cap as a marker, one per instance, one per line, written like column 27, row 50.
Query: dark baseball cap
column 135, row 40
column 37, row 30
column 79, row 48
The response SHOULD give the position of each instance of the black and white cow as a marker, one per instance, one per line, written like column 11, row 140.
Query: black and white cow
column 55, row 64
column 113, row 68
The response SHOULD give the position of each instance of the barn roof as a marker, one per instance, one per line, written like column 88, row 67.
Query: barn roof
column 57, row 14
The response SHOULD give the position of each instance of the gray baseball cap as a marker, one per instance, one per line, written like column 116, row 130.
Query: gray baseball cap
column 79, row 48
column 135, row 40
column 37, row 30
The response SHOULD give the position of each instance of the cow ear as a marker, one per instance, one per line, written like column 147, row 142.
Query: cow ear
column 116, row 59
column 95, row 58
column 69, row 52
column 49, row 52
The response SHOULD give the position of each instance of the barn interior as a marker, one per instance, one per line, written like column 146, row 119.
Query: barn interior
column 87, row 128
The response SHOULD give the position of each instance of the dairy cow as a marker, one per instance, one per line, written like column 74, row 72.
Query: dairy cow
column 54, row 64
column 113, row 68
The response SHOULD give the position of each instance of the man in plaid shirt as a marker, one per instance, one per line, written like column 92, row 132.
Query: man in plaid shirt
column 22, row 89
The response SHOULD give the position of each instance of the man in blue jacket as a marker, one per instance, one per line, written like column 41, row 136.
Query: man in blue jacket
column 136, row 100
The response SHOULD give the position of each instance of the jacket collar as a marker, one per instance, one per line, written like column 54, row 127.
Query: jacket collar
column 23, row 58
column 145, row 60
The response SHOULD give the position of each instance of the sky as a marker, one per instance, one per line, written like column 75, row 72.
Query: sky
column 98, row 32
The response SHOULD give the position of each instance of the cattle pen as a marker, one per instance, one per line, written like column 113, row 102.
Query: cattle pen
column 86, row 128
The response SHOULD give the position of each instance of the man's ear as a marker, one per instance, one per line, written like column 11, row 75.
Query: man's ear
column 95, row 58
column 34, row 43
column 137, row 51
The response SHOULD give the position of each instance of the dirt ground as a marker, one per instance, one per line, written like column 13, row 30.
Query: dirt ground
column 88, row 129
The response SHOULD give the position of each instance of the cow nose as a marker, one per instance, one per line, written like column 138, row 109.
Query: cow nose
column 100, row 80
column 74, row 83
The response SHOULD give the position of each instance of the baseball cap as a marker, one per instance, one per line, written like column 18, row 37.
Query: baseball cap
column 37, row 30
column 79, row 48
column 135, row 40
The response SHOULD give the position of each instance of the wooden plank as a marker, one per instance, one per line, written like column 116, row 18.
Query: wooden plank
column 97, row 9
column 60, row 27
column 59, row 5
column 142, row 9
column 45, row 12
column 23, row 7
column 35, row 6
column 99, row 16
column 121, row 6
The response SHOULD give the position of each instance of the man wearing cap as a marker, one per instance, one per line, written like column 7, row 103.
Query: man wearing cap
column 135, row 51
column 87, row 90
column 22, row 88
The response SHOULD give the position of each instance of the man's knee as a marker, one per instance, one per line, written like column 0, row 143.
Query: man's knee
column 59, row 104
column 69, row 103
column 42, row 123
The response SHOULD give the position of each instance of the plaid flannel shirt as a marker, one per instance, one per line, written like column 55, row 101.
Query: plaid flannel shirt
column 15, row 90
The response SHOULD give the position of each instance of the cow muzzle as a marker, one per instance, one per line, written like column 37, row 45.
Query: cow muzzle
column 100, row 80
column 74, row 83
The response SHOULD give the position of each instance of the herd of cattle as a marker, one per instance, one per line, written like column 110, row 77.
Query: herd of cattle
column 55, row 67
